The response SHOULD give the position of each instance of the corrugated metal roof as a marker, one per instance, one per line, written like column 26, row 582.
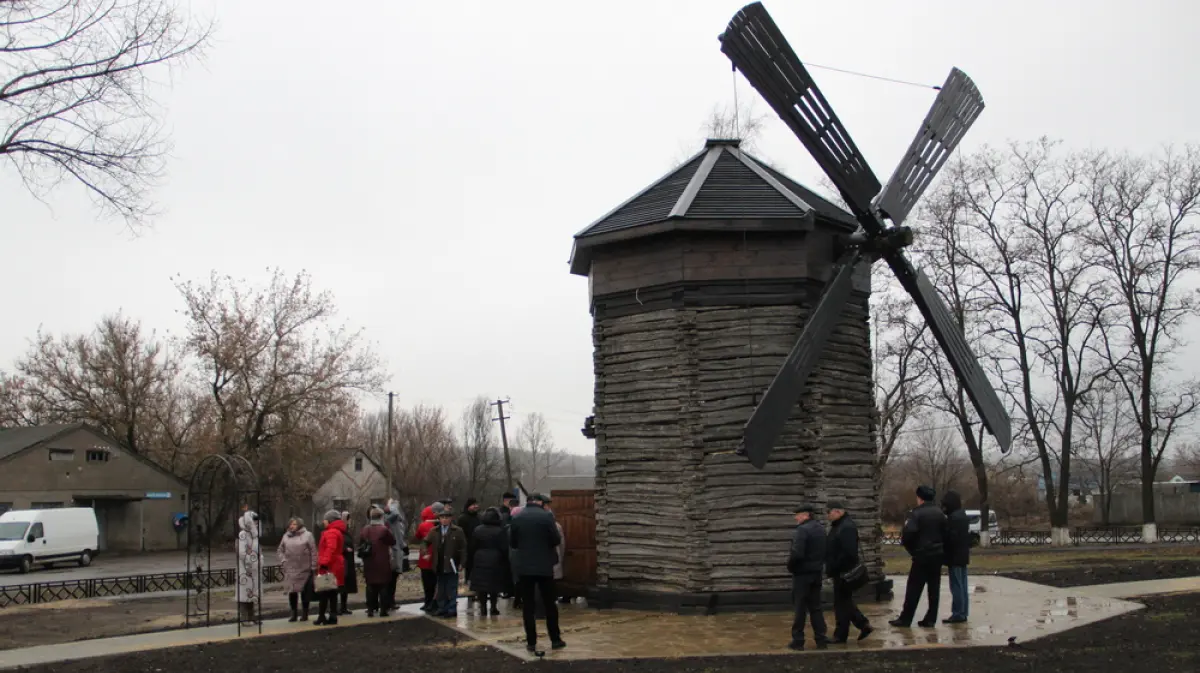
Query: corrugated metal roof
column 721, row 182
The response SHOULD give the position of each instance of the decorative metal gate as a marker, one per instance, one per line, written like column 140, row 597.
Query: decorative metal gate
column 221, row 490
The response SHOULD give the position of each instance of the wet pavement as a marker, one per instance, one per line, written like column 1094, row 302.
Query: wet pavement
column 1000, row 608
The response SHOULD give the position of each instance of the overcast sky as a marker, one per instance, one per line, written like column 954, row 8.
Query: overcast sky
column 429, row 162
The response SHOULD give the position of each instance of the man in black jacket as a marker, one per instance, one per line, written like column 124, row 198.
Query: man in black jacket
column 842, row 556
column 806, row 561
column 534, row 535
column 958, row 555
column 923, row 537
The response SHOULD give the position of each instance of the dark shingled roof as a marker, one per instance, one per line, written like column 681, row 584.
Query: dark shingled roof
column 721, row 182
column 16, row 440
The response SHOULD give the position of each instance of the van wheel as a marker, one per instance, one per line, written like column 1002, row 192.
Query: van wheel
column 85, row 559
column 26, row 564
column 974, row 539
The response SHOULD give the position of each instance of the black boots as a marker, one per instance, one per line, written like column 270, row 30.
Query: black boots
column 293, row 602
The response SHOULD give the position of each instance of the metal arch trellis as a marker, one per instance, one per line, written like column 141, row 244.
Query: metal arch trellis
column 204, row 490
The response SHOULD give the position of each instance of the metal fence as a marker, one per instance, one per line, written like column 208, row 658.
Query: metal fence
column 1093, row 535
column 105, row 587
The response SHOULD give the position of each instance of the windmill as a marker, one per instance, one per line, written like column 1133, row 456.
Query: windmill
column 758, row 49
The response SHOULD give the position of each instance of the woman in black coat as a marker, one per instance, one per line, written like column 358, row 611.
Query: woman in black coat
column 350, row 587
column 487, row 553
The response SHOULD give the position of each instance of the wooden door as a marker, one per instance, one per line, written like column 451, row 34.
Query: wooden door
column 575, row 510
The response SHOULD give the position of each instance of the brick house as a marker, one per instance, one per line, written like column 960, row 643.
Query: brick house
column 75, row 465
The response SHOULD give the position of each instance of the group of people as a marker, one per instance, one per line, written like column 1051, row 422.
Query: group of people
column 507, row 551
column 933, row 536
column 324, row 567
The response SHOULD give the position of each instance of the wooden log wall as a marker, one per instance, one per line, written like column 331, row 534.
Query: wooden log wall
column 677, row 510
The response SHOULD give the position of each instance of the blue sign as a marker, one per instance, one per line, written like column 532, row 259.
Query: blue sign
column 158, row 495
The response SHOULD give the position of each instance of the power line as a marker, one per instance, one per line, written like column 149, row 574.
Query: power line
column 499, row 404
column 878, row 77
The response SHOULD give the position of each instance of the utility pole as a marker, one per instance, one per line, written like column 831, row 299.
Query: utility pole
column 389, row 465
column 499, row 404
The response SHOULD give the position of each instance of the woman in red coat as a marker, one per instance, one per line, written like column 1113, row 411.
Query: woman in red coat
column 330, row 560
column 429, row 517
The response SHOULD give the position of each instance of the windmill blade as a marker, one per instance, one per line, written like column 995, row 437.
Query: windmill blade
column 757, row 48
column 789, row 383
column 950, row 337
column 956, row 107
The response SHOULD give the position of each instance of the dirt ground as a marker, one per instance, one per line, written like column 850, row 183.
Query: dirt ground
column 1162, row 638
column 69, row 621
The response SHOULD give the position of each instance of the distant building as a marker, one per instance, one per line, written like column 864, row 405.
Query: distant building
column 355, row 483
column 75, row 465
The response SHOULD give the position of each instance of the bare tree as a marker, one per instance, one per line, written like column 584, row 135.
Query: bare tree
column 75, row 93
column 280, row 378
column 1022, row 218
column 935, row 459
column 114, row 378
column 1108, row 447
column 1148, row 238
column 958, row 284
column 902, row 376
column 481, row 460
column 535, row 440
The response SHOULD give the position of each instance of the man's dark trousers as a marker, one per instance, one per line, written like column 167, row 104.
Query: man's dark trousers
column 529, row 587
column 806, row 596
column 923, row 575
column 845, row 611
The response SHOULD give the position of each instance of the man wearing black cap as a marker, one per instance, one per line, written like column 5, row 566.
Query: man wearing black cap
column 842, row 557
column 806, row 561
column 534, row 534
column 923, row 536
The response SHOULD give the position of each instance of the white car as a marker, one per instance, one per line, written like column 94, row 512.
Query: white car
column 973, row 521
column 47, row 536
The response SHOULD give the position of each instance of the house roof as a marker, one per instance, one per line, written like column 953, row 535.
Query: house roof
column 16, row 440
column 721, row 182
column 342, row 456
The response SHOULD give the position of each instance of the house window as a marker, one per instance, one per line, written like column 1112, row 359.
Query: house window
column 5, row 507
column 62, row 454
column 358, row 463
column 341, row 504
column 45, row 505
column 97, row 456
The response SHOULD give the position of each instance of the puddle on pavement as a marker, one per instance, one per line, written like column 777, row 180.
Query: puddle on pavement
column 1000, row 608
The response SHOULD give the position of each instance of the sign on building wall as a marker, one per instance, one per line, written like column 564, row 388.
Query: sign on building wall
column 158, row 495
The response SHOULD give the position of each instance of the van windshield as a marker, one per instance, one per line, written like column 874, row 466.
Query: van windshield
column 973, row 518
column 13, row 530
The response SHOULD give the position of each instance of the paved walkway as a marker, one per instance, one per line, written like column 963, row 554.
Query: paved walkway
column 1000, row 608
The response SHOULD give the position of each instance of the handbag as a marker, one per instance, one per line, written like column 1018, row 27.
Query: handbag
column 364, row 550
column 855, row 578
column 324, row 582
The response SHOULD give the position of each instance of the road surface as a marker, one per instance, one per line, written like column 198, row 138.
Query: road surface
column 117, row 566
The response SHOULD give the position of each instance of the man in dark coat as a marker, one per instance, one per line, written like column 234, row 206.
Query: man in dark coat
column 377, row 566
column 534, row 535
column 468, row 521
column 842, row 556
column 958, row 555
column 806, row 561
column 923, row 537
column 448, row 549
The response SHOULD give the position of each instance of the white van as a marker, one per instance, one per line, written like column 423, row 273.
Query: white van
column 47, row 536
column 973, row 522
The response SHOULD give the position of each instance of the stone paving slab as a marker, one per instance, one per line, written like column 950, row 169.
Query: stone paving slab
column 1000, row 608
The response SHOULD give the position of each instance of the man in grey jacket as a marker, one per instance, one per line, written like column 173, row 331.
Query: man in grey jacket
column 806, row 563
column 394, row 518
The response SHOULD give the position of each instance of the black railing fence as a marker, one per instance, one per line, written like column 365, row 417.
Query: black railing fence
column 106, row 587
column 1097, row 535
